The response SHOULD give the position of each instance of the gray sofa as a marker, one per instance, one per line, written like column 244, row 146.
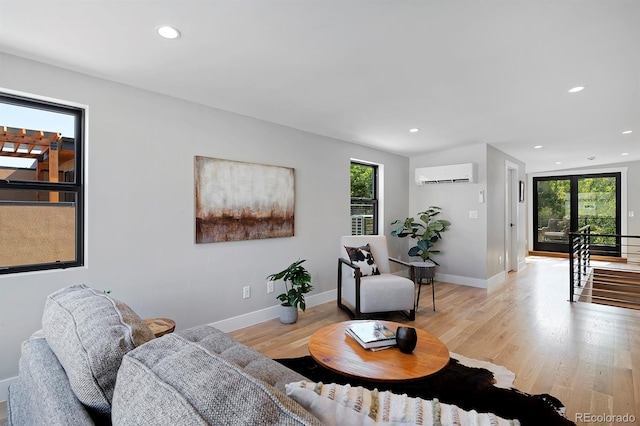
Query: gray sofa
column 95, row 363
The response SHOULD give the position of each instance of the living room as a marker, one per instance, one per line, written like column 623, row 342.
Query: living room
column 140, row 150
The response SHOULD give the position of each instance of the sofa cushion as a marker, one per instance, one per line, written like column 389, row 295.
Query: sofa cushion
column 182, row 382
column 90, row 332
column 338, row 405
column 246, row 358
column 42, row 395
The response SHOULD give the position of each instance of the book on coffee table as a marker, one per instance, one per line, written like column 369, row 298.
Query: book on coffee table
column 372, row 334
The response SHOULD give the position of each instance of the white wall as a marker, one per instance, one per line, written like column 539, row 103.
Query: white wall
column 633, row 197
column 140, row 206
column 472, row 248
column 463, row 246
column 496, row 216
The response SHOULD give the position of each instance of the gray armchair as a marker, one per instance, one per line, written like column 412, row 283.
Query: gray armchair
column 363, row 291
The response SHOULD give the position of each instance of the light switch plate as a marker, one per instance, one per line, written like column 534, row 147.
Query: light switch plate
column 473, row 214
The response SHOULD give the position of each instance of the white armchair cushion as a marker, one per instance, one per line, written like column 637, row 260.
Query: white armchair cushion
column 382, row 293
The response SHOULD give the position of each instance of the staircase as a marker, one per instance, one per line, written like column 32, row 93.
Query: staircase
column 604, row 284
column 615, row 287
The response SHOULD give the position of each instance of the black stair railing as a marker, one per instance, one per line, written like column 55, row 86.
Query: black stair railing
column 612, row 283
column 579, row 258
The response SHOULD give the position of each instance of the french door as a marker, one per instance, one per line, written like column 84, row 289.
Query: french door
column 562, row 204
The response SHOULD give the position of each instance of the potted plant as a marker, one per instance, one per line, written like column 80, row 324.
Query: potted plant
column 297, row 282
column 426, row 231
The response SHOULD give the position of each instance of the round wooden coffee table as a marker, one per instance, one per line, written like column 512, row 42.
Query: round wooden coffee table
column 332, row 348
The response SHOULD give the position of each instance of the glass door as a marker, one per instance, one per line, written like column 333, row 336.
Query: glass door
column 565, row 203
column 598, row 205
column 552, row 213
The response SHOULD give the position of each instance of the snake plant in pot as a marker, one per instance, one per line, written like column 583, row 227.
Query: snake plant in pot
column 427, row 230
column 297, row 282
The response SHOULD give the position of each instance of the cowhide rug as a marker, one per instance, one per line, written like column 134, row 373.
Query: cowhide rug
column 468, row 387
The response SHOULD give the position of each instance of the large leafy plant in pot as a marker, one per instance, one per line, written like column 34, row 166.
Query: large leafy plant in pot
column 297, row 282
column 427, row 230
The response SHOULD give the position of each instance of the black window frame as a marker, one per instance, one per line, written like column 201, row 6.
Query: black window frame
column 76, row 187
column 613, row 251
column 373, row 201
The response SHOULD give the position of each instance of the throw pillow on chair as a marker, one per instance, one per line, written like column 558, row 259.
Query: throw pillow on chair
column 362, row 258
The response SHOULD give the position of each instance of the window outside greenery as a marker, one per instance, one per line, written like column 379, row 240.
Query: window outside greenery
column 364, row 202
column 597, row 207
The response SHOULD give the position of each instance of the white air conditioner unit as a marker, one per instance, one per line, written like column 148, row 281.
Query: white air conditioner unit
column 453, row 173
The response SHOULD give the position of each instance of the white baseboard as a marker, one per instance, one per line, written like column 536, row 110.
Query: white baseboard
column 497, row 279
column 455, row 279
column 253, row 318
column 4, row 388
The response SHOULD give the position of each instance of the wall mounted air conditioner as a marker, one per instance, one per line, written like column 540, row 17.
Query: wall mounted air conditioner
column 454, row 173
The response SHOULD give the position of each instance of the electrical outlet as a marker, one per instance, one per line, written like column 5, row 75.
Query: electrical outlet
column 246, row 292
column 269, row 286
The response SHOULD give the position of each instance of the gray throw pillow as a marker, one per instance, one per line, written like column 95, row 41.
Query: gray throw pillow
column 90, row 333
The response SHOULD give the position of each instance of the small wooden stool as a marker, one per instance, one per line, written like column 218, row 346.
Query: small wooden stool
column 161, row 326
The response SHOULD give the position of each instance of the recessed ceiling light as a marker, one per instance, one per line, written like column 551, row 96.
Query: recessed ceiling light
column 168, row 32
column 576, row 89
column 626, row 132
column 414, row 130
column 537, row 147
column 558, row 162
column 625, row 153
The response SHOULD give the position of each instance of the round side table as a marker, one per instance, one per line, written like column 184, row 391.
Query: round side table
column 161, row 326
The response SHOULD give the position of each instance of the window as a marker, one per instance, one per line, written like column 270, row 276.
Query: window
column 41, row 185
column 364, row 199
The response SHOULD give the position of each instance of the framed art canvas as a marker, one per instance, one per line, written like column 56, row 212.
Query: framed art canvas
column 242, row 201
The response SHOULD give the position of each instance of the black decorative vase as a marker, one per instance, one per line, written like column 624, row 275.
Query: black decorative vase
column 406, row 339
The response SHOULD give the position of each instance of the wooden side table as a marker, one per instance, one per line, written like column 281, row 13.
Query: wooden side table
column 424, row 270
column 161, row 326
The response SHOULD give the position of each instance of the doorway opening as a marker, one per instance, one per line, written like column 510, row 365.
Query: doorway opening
column 512, row 198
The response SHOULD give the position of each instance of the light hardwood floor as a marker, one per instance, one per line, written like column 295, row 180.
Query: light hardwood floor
column 586, row 355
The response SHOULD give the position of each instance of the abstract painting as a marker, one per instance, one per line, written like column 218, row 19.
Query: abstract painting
column 242, row 201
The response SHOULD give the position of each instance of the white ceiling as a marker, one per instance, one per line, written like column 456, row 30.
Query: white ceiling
column 366, row 71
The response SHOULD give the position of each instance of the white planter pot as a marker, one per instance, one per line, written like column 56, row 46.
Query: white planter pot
column 288, row 314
